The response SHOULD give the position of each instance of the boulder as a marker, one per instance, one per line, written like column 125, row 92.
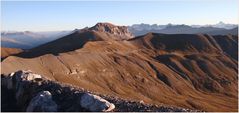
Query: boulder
column 21, row 82
column 95, row 103
column 42, row 102
column 27, row 76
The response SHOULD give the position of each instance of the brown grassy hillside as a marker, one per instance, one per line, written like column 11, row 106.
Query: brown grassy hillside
column 191, row 71
column 5, row 52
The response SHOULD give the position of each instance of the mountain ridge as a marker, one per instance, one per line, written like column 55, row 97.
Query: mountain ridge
column 195, row 71
column 14, row 39
column 182, row 29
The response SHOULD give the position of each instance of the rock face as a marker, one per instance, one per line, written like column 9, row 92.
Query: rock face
column 42, row 103
column 121, row 31
column 27, row 76
column 21, row 84
column 95, row 103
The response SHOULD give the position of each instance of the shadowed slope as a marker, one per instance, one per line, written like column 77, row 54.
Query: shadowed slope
column 67, row 43
column 189, row 43
column 229, row 45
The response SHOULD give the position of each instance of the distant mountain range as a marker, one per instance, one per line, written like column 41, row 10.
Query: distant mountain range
column 216, row 29
column 28, row 39
column 218, row 25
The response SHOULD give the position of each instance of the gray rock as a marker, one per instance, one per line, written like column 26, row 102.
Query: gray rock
column 28, row 76
column 42, row 103
column 95, row 103
column 9, row 81
column 22, row 79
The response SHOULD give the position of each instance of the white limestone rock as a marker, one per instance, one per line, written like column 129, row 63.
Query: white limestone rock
column 95, row 103
column 21, row 84
column 29, row 76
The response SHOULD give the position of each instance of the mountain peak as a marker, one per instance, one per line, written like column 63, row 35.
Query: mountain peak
column 105, row 24
column 121, row 31
column 220, row 23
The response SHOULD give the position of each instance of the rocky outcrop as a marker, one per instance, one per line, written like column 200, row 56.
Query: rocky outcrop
column 31, row 95
column 20, row 82
column 120, row 31
column 33, row 92
column 42, row 103
column 95, row 103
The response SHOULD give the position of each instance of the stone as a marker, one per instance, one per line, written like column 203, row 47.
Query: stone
column 11, row 74
column 35, row 77
column 27, row 76
column 95, row 103
column 21, row 80
column 21, row 76
column 31, row 77
column 42, row 103
column 141, row 102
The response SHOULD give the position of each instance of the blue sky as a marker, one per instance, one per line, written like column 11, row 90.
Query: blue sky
column 62, row 15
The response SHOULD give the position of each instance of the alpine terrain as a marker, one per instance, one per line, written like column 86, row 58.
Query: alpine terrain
column 195, row 72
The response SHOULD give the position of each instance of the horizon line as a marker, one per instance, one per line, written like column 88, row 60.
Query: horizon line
column 208, row 25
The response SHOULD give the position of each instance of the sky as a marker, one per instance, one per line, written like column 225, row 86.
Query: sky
column 69, row 15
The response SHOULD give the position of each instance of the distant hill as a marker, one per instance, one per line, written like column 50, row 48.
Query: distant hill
column 28, row 39
column 13, row 43
column 218, row 25
column 5, row 52
column 233, row 31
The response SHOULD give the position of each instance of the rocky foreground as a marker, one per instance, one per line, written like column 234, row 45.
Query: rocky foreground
column 26, row 91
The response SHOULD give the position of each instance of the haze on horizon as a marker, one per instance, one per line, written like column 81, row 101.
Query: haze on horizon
column 62, row 15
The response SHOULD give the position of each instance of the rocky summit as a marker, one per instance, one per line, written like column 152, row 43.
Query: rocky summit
column 121, row 31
